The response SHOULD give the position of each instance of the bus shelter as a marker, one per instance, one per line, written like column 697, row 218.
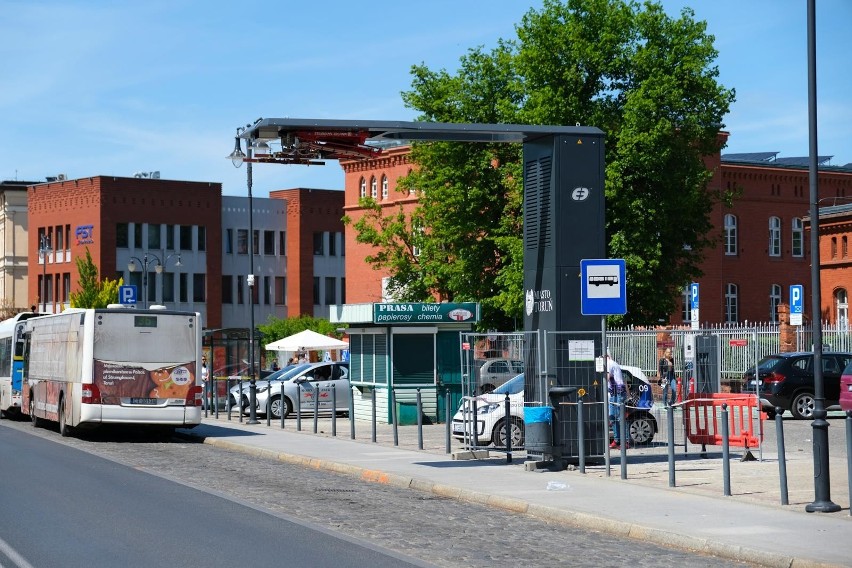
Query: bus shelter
column 399, row 349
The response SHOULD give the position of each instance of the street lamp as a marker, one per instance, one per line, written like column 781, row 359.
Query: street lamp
column 237, row 158
column 145, row 264
column 43, row 250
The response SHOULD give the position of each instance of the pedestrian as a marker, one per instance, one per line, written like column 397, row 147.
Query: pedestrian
column 666, row 377
column 291, row 361
column 275, row 364
column 617, row 395
column 205, row 378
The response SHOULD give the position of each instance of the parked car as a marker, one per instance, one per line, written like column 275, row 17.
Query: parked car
column 786, row 381
column 494, row 372
column 491, row 412
column 846, row 389
column 305, row 383
column 222, row 376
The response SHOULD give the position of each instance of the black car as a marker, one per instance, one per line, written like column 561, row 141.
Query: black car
column 786, row 380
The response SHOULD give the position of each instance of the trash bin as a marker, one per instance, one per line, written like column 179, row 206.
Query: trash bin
column 406, row 413
column 538, row 434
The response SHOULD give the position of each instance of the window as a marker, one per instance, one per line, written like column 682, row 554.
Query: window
column 66, row 286
column 686, row 307
column 730, row 235
column 374, row 188
column 332, row 244
column 316, row 290
column 774, row 236
column 416, row 238
column 798, row 231
column 384, row 187
column 186, row 237
column 59, row 246
column 241, row 291
column 202, row 238
column 199, row 287
column 362, row 188
column 282, row 243
column 227, row 289
column 731, row 304
column 122, row 235
column 343, row 290
column 841, row 306
column 242, row 241
column 833, row 247
column 267, row 290
column 844, row 247
column 269, row 242
column 319, row 244
column 183, row 289
column 168, row 286
column 68, row 238
column 342, row 244
column 229, row 241
column 280, row 290
column 330, row 297
column 170, row 237
column 256, row 241
column 153, row 236
column 152, row 288
column 137, row 235
column 774, row 301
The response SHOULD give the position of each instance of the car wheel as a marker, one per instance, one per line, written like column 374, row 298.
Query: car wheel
column 276, row 407
column 803, row 406
column 641, row 429
column 516, row 431
column 486, row 388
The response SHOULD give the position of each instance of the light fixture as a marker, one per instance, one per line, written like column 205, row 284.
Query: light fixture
column 260, row 146
column 159, row 268
column 237, row 155
column 131, row 266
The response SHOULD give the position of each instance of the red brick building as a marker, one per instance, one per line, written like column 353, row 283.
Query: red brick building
column 762, row 248
column 835, row 234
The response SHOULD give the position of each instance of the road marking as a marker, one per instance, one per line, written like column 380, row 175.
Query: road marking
column 10, row 553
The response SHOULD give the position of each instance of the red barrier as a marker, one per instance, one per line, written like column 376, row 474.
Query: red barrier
column 679, row 391
column 703, row 419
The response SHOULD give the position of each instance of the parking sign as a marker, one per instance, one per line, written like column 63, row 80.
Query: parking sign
column 797, row 304
column 127, row 294
column 693, row 304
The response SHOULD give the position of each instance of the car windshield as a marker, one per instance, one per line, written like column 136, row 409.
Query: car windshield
column 277, row 374
column 767, row 364
column 512, row 386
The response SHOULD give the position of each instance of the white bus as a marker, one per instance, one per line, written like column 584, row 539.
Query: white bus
column 12, row 362
column 86, row 367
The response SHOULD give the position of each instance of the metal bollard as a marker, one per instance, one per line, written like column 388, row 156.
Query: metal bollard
column 316, row 408
column 373, row 397
column 670, row 434
column 622, row 437
column 228, row 400
column 419, row 420
column 393, row 417
column 447, row 420
column 581, row 434
column 269, row 405
column 299, row 409
column 508, row 427
column 333, row 411
column 473, row 426
column 240, row 403
column 782, row 456
column 351, row 413
column 283, row 406
column 726, row 452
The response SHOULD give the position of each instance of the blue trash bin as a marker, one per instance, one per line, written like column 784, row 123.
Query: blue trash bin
column 538, row 431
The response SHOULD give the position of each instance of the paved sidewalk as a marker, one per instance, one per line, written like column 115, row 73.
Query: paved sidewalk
column 749, row 525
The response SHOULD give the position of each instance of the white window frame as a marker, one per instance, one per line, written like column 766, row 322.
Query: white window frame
column 374, row 188
column 774, row 302
column 730, row 235
column 841, row 306
column 363, row 188
column 774, row 236
column 798, row 237
column 731, row 303
column 384, row 187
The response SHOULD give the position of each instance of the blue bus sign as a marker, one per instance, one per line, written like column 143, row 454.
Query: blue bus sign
column 603, row 287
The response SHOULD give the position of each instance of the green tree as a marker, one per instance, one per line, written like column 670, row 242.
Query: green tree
column 93, row 293
column 645, row 78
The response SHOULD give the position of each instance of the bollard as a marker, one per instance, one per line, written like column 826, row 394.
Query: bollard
column 269, row 405
column 419, row 420
column 351, row 413
column 849, row 453
column 316, row 408
column 283, row 406
column 726, row 452
column 373, row 398
column 333, row 411
column 508, row 426
column 670, row 433
column 782, row 456
column 474, row 425
column 393, row 417
column 240, row 404
column 228, row 401
column 581, row 433
column 447, row 419
column 299, row 409
column 622, row 437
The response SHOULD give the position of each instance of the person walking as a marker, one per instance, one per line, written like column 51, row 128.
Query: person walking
column 617, row 396
column 666, row 374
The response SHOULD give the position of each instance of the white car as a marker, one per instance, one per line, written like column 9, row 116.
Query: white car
column 495, row 372
column 491, row 412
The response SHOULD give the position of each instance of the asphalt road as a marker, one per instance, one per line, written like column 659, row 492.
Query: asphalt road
column 240, row 510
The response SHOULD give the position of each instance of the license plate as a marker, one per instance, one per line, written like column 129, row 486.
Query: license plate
column 144, row 401
column 458, row 428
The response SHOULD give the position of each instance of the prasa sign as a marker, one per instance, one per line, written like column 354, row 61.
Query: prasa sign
column 464, row 312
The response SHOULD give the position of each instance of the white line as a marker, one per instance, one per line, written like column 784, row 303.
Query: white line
column 10, row 553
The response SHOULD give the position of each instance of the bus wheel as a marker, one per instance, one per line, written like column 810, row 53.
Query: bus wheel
column 33, row 418
column 64, row 428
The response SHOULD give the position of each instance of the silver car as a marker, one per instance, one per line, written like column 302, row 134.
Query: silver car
column 306, row 383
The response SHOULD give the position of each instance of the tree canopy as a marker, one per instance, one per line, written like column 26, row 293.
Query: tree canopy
column 93, row 293
column 646, row 79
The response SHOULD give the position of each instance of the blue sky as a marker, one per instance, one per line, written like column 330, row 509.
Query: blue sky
column 114, row 87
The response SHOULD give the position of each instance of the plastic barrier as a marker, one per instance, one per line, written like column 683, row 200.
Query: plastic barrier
column 703, row 413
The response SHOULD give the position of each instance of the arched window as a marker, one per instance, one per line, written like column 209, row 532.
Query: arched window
column 374, row 188
column 774, row 236
column 384, row 187
column 774, row 301
column 798, row 232
column 844, row 246
column 731, row 304
column 730, row 234
column 841, row 308
column 833, row 247
column 363, row 187
column 411, row 190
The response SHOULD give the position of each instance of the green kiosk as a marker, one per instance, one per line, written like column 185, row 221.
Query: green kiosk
column 396, row 349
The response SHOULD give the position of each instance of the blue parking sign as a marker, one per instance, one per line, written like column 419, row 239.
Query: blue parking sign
column 127, row 294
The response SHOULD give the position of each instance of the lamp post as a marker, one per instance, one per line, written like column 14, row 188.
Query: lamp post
column 822, row 488
column 237, row 158
column 43, row 250
column 145, row 264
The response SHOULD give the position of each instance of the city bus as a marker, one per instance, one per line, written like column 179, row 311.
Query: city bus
column 12, row 362
column 90, row 367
